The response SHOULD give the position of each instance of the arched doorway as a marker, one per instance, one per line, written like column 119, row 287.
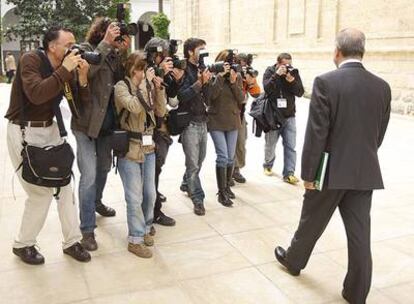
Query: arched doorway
column 145, row 30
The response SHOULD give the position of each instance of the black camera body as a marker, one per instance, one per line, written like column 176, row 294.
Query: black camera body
column 291, row 70
column 201, row 64
column 151, row 54
column 172, row 52
column 90, row 57
column 231, row 59
column 130, row 29
column 250, row 71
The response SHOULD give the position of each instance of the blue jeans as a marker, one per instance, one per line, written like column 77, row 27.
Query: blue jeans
column 194, row 141
column 288, row 133
column 138, row 180
column 225, row 145
column 94, row 161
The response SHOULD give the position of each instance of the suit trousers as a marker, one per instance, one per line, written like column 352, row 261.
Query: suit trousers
column 354, row 207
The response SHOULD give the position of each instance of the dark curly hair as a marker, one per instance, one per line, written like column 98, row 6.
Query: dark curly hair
column 97, row 31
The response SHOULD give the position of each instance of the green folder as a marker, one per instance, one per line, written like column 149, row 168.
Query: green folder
column 320, row 174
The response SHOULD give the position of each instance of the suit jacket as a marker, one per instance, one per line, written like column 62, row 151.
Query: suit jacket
column 348, row 115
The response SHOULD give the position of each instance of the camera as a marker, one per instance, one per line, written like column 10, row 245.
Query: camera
column 291, row 70
column 130, row 29
column 90, row 57
column 151, row 54
column 231, row 59
column 217, row 67
column 250, row 58
column 250, row 71
column 201, row 64
column 172, row 51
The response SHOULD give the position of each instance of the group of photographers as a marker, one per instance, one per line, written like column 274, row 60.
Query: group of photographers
column 122, row 99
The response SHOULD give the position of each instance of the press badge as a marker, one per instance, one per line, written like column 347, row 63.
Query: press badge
column 147, row 140
column 282, row 103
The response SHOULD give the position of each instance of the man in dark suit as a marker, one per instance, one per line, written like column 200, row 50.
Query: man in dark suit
column 348, row 115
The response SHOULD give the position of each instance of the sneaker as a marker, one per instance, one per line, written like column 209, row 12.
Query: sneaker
column 152, row 231
column 77, row 252
column 140, row 250
column 148, row 240
column 88, row 241
column 199, row 209
column 291, row 179
column 104, row 210
column 29, row 255
column 268, row 172
column 162, row 197
column 164, row 220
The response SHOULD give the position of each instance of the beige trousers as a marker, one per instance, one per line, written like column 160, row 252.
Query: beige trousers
column 39, row 198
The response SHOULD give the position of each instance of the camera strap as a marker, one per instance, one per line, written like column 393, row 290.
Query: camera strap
column 67, row 91
column 46, row 70
column 148, row 109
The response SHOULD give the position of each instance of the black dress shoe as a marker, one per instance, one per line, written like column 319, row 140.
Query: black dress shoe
column 77, row 252
column 238, row 177
column 164, row 220
column 104, row 210
column 345, row 296
column 161, row 197
column 29, row 255
column 199, row 209
column 280, row 254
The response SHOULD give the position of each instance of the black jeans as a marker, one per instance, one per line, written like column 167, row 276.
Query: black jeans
column 162, row 144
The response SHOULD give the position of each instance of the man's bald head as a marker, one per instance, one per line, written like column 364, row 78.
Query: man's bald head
column 351, row 43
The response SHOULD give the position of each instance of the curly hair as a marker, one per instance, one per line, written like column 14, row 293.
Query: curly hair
column 97, row 30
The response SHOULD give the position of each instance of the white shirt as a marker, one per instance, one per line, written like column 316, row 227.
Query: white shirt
column 349, row 61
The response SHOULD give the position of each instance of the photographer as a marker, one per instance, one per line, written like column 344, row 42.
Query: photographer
column 96, row 123
column 225, row 99
column 282, row 83
column 250, row 88
column 34, row 102
column 135, row 99
column 192, row 96
column 162, row 138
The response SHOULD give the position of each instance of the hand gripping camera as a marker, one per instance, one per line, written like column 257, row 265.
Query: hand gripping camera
column 130, row 29
column 172, row 52
column 151, row 54
column 90, row 57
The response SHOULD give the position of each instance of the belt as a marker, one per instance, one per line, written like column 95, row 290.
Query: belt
column 135, row 135
column 33, row 124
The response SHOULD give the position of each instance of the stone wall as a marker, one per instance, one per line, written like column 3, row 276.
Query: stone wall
column 306, row 29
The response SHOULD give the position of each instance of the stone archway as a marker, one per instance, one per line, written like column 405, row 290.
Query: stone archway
column 9, row 19
column 145, row 30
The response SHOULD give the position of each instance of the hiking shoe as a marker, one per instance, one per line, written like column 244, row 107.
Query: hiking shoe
column 88, row 241
column 291, row 179
column 140, row 250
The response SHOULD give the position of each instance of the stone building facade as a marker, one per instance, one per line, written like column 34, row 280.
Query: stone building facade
column 306, row 29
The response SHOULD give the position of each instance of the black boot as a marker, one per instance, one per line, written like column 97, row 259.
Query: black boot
column 229, row 178
column 221, row 177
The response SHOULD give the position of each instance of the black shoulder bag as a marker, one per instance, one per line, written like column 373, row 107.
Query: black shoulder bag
column 49, row 166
